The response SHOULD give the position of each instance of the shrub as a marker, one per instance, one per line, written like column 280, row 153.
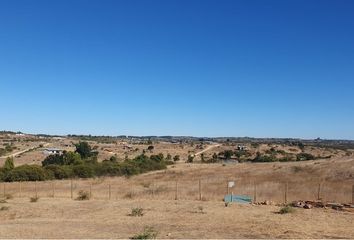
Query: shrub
column 148, row 233
column 34, row 199
column 286, row 209
column 264, row 158
column 304, row 157
column 53, row 159
column 58, row 172
column 83, row 171
column 26, row 173
column 176, row 158
column 83, row 195
column 9, row 164
column 4, row 208
column 190, row 159
column 8, row 196
column 136, row 212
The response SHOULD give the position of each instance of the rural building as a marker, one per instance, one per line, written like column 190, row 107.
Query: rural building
column 50, row 151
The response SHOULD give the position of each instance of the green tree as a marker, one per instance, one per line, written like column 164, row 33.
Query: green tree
column 228, row 154
column 84, row 149
column 150, row 148
column 71, row 158
column 9, row 164
column 168, row 157
column 202, row 159
column 176, row 158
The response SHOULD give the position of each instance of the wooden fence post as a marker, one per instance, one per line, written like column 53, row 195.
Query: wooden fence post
column 153, row 189
column 200, row 190
column 353, row 194
column 255, row 193
column 176, row 191
column 71, row 188
column 227, row 186
column 286, row 193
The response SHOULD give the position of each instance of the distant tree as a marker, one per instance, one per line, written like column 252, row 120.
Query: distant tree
column 190, row 158
column 215, row 157
column 176, row 158
column 113, row 158
column 150, row 148
column 84, row 149
column 9, row 164
column 54, row 159
column 168, row 157
column 202, row 157
column 228, row 154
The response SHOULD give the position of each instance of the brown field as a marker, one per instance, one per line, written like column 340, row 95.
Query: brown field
column 64, row 218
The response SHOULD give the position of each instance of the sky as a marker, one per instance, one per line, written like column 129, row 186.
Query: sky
column 187, row 68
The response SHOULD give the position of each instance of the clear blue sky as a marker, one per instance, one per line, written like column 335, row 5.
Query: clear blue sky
column 202, row 68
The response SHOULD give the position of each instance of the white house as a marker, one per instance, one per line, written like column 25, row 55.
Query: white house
column 50, row 151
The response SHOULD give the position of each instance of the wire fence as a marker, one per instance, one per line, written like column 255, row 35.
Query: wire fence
column 212, row 189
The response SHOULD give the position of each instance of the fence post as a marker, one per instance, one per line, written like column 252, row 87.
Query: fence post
column 319, row 192
column 353, row 194
column 153, row 189
column 255, row 193
column 109, row 188
column 227, row 186
column 176, row 191
column 200, row 190
column 71, row 188
column 286, row 193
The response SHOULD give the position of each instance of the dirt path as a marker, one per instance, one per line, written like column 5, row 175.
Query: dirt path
column 207, row 149
column 23, row 151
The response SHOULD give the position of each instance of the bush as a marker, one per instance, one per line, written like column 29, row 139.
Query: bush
column 83, row 171
column 304, row 157
column 264, row 158
column 136, row 212
column 34, row 199
column 9, row 164
column 286, row 209
column 55, row 159
column 26, row 173
column 148, row 233
column 83, row 195
column 8, row 196
column 4, row 208
column 57, row 172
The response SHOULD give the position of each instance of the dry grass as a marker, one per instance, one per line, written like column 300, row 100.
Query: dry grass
column 64, row 218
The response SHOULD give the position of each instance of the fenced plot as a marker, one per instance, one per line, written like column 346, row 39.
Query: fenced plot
column 204, row 189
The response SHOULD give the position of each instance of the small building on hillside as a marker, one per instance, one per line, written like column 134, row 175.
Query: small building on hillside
column 51, row 151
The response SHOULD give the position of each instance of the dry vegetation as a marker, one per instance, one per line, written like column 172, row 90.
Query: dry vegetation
column 199, row 211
